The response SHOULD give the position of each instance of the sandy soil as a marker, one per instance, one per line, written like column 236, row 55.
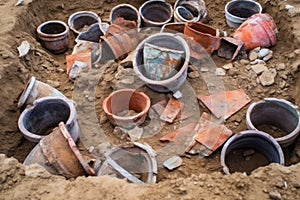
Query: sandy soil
column 198, row 178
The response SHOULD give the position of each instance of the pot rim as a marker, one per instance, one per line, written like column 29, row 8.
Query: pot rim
column 35, row 137
column 280, row 140
column 42, row 34
column 187, row 25
column 143, row 112
column 153, row 22
column 25, row 94
column 248, row 133
column 128, row 6
column 178, row 74
column 240, row 18
column 82, row 13
column 179, row 17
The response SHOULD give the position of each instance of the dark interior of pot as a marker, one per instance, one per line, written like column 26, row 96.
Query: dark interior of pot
column 80, row 21
column 53, row 28
column 243, row 9
column 157, row 11
column 125, row 12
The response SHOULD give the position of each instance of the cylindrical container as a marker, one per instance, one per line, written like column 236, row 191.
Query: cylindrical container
column 127, row 12
column 142, row 162
column 126, row 108
column 82, row 20
column 182, row 14
column 255, row 140
column 237, row 11
column 156, row 13
column 169, row 41
column 205, row 35
column 54, row 36
column 257, row 31
column 58, row 154
column 275, row 112
column 35, row 90
column 190, row 11
column 45, row 114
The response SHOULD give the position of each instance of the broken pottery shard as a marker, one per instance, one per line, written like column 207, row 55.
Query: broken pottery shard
column 220, row 72
column 82, row 57
column 231, row 48
column 177, row 95
column 76, row 68
column 263, row 52
column 172, row 135
column 211, row 135
column 225, row 104
column 19, row 3
column 23, row 49
column 171, row 111
column 161, row 63
column 136, row 133
column 173, row 163
column 159, row 107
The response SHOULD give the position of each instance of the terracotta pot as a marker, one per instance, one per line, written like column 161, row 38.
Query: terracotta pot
column 156, row 13
column 237, row 11
column 275, row 112
column 82, row 20
column 127, row 12
column 45, row 114
column 34, row 90
column 252, row 139
column 128, row 161
column 58, row 154
column 177, row 27
column 257, row 31
column 126, row 108
column 190, row 11
column 164, row 40
column 205, row 35
column 54, row 36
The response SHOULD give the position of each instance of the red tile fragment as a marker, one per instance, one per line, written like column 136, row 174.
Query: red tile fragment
column 171, row 111
column 82, row 57
column 225, row 104
column 170, row 137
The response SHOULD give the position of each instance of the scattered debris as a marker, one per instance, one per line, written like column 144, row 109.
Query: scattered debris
column 220, row 72
column 136, row 133
column 76, row 69
column 280, row 66
column 177, row 95
column 171, row 111
column 263, row 52
column 259, row 68
column 267, row 78
column 170, row 137
column 268, row 57
column 231, row 48
column 258, row 61
column 24, row 48
column 173, row 163
column 227, row 66
column 225, row 104
column 84, row 57
column 253, row 55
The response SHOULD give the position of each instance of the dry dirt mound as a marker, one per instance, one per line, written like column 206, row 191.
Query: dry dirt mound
column 198, row 178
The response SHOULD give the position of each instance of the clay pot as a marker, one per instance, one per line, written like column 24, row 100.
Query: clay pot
column 126, row 108
column 127, row 12
column 237, row 11
column 34, row 90
column 177, row 27
column 93, row 34
column 156, row 13
column 58, row 154
column 257, row 31
column 45, row 114
column 275, row 112
column 205, row 35
column 190, row 11
column 54, row 36
column 126, row 161
column 82, row 20
column 255, row 140
column 169, row 41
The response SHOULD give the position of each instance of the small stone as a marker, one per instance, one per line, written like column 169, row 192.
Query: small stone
column 263, row 52
column 55, row 84
column 283, row 76
column 249, row 152
column 282, row 84
column 259, row 68
column 193, row 74
column 135, row 133
column 173, row 163
column 127, row 80
column 253, row 55
column 177, row 95
column 257, row 49
column 280, row 66
column 204, row 69
column 275, row 195
column 228, row 66
column 285, row 170
column 244, row 62
column 297, row 51
column 258, row 61
column 268, row 57
column 294, row 12
column 267, row 78
column 220, row 72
